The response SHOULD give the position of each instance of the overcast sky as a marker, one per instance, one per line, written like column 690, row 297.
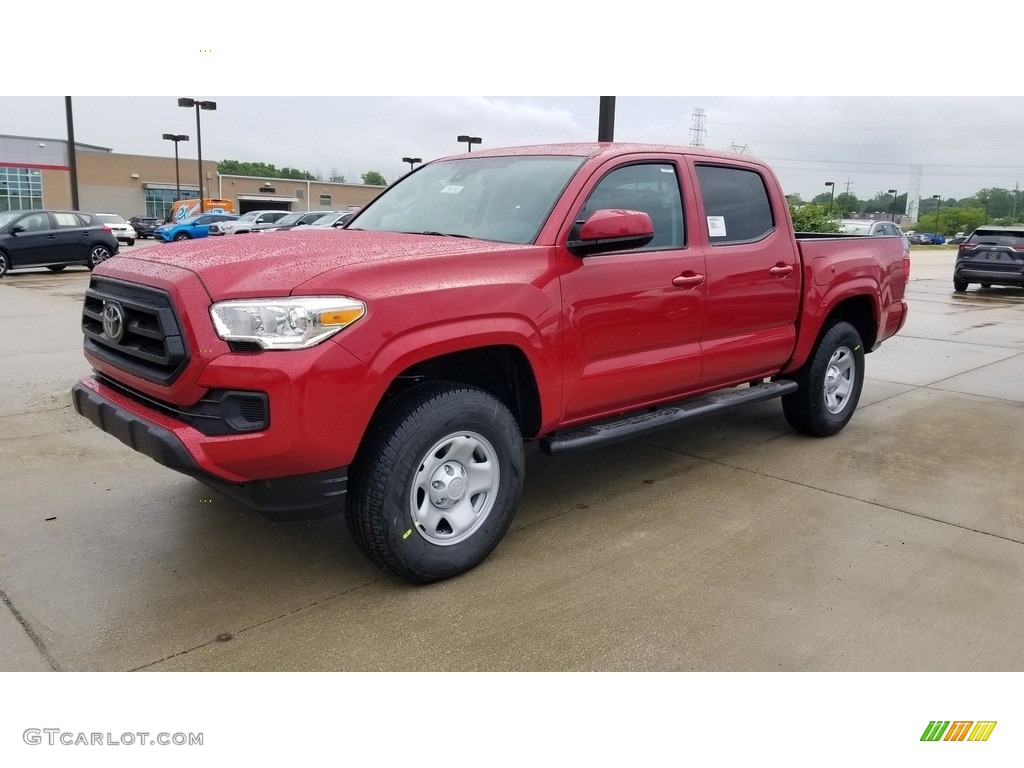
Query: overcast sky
column 867, row 140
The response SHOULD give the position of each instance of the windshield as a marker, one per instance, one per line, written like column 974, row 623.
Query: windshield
column 492, row 198
column 291, row 218
column 856, row 228
column 8, row 216
column 250, row 216
column 325, row 221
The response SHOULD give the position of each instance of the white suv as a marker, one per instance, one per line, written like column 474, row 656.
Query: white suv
column 245, row 222
column 118, row 227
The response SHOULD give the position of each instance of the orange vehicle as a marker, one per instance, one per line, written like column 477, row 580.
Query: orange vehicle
column 183, row 209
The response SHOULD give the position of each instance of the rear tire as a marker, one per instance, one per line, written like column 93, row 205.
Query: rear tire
column 4, row 264
column 436, row 483
column 130, row 241
column 960, row 285
column 829, row 383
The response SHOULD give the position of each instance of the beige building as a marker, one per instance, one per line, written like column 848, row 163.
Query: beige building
column 36, row 173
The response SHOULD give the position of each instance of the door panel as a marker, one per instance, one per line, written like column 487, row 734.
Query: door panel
column 753, row 276
column 632, row 319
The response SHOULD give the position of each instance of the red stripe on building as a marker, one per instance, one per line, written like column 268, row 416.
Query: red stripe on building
column 34, row 165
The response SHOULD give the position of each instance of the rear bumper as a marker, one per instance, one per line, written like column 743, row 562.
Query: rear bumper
column 298, row 497
column 972, row 273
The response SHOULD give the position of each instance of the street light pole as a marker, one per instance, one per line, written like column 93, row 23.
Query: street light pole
column 469, row 141
column 412, row 161
column 176, row 137
column 210, row 105
column 892, row 206
column 831, row 193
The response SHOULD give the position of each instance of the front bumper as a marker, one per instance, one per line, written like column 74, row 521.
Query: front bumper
column 315, row 494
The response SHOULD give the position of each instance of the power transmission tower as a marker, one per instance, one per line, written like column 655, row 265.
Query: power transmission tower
column 697, row 131
column 737, row 148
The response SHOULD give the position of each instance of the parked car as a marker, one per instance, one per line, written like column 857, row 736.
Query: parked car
column 298, row 219
column 144, row 225
column 958, row 238
column 246, row 222
column 123, row 231
column 576, row 295
column 991, row 256
column 191, row 228
column 930, row 238
column 919, row 238
column 53, row 239
column 334, row 219
column 873, row 228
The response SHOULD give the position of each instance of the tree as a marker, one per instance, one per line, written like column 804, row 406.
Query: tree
column 813, row 218
column 847, row 204
column 374, row 179
column 262, row 170
column 795, row 201
column 336, row 177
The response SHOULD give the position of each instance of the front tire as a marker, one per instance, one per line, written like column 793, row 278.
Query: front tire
column 181, row 236
column 97, row 254
column 829, row 384
column 436, row 483
column 4, row 264
column 130, row 241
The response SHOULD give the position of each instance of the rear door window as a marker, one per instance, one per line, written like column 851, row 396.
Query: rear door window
column 736, row 204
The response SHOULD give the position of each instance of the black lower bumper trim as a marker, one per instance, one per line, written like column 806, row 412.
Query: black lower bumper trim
column 285, row 498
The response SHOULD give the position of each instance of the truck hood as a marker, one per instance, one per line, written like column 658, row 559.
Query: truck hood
column 278, row 263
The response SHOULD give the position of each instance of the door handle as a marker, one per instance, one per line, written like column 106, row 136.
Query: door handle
column 781, row 270
column 687, row 280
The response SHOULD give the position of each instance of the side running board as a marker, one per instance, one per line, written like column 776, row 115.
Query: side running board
column 638, row 424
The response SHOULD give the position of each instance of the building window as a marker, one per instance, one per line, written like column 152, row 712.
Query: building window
column 158, row 201
column 325, row 199
column 21, row 189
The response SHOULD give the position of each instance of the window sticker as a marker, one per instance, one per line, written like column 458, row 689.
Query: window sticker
column 451, row 190
column 716, row 226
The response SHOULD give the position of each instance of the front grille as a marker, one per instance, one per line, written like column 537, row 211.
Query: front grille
column 218, row 412
column 151, row 344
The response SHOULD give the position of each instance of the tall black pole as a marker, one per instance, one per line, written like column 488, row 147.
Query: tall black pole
column 199, row 152
column 606, row 119
column 177, row 175
column 72, row 159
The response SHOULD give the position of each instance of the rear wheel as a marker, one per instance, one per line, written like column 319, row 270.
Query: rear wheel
column 97, row 254
column 436, row 484
column 829, row 384
column 4, row 265
column 960, row 285
column 130, row 241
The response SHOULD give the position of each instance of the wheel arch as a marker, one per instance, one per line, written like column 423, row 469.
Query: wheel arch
column 861, row 310
column 502, row 370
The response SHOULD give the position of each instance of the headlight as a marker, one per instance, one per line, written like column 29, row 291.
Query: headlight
column 292, row 323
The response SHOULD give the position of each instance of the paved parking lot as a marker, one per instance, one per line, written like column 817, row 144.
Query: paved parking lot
column 732, row 544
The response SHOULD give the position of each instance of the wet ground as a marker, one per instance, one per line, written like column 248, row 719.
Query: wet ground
column 731, row 544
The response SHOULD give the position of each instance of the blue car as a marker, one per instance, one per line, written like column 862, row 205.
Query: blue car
column 191, row 228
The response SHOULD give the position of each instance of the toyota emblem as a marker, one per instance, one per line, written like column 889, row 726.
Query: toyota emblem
column 113, row 321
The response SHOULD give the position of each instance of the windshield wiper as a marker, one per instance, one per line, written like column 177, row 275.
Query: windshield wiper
column 438, row 234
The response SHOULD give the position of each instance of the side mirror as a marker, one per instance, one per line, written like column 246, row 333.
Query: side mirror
column 611, row 230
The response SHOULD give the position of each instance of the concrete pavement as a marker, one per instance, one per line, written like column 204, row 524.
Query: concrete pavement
column 730, row 544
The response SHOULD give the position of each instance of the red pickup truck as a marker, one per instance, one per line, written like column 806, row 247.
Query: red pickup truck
column 574, row 295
